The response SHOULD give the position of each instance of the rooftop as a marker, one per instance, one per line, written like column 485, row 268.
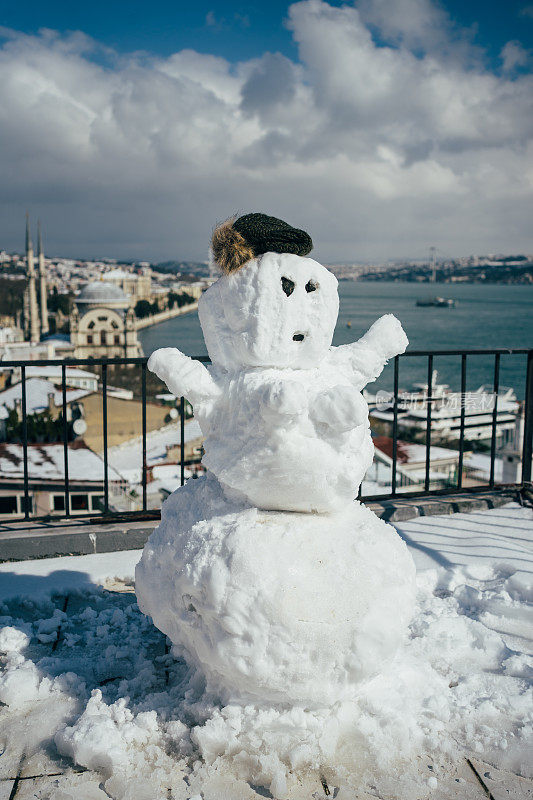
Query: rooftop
column 126, row 458
column 412, row 453
column 37, row 392
column 46, row 462
column 100, row 293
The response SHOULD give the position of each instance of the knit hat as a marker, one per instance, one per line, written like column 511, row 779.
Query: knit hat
column 236, row 241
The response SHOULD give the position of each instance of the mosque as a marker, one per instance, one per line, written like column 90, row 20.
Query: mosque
column 102, row 321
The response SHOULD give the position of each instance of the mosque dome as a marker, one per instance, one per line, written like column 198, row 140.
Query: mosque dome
column 102, row 294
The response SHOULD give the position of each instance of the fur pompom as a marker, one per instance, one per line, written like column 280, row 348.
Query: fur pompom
column 230, row 249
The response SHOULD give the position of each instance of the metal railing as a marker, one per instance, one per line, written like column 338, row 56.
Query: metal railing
column 107, row 512
column 527, row 451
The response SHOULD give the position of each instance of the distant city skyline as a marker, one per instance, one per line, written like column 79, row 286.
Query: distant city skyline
column 381, row 127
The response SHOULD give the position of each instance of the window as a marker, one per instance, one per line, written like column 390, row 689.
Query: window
column 80, row 502
column 103, row 338
column 102, row 319
column 58, row 502
column 89, row 339
column 91, row 324
column 97, row 502
column 8, row 505
column 117, row 338
column 114, row 324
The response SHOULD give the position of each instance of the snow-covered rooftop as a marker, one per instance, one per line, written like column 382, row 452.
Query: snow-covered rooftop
column 412, row 453
column 118, row 274
column 46, row 462
column 55, row 371
column 37, row 391
column 127, row 457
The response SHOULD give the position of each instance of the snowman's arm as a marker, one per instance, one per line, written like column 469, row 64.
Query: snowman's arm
column 183, row 375
column 364, row 360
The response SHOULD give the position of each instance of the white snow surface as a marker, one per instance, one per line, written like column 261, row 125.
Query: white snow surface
column 37, row 394
column 246, row 596
column 46, row 461
column 285, row 422
column 114, row 700
column 127, row 458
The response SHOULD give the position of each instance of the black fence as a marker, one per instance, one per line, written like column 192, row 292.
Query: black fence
column 464, row 357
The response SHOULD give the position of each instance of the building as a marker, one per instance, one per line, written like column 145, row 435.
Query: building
column 136, row 286
column 84, row 408
column 46, row 480
column 41, row 396
column 102, row 323
column 163, row 455
column 53, row 348
column 411, row 465
column 74, row 377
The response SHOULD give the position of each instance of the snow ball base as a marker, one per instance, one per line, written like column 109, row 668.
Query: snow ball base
column 273, row 607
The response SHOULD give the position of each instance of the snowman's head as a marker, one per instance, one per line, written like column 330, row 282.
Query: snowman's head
column 278, row 310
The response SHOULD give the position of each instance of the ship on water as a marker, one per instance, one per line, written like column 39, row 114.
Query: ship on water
column 437, row 302
column 446, row 408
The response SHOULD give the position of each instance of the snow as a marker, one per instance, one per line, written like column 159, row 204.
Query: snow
column 40, row 579
column 480, row 463
column 47, row 462
column 56, row 371
column 479, row 540
column 126, row 458
column 246, row 596
column 458, row 689
column 37, row 391
column 412, row 453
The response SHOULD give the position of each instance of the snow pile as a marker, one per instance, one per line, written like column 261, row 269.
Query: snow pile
column 275, row 607
column 124, row 706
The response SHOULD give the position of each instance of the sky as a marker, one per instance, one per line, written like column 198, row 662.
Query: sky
column 381, row 126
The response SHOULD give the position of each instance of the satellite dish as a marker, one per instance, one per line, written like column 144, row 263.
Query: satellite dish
column 173, row 413
column 79, row 426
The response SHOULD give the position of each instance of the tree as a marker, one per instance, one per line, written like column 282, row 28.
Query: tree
column 143, row 309
column 59, row 302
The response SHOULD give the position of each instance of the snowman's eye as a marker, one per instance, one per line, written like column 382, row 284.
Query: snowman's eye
column 311, row 286
column 287, row 285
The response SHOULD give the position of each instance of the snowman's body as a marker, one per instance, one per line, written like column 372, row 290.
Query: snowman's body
column 288, row 451
column 286, row 429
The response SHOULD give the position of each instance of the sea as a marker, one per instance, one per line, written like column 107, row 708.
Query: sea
column 486, row 316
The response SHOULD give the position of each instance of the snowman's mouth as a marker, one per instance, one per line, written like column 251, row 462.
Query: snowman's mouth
column 298, row 337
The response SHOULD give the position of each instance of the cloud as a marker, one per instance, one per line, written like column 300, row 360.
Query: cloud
column 271, row 82
column 373, row 144
column 513, row 55
column 527, row 11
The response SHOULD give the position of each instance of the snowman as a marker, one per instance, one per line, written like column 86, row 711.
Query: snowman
column 267, row 575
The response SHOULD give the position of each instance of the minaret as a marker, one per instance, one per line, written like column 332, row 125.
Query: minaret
column 33, row 327
column 42, row 282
